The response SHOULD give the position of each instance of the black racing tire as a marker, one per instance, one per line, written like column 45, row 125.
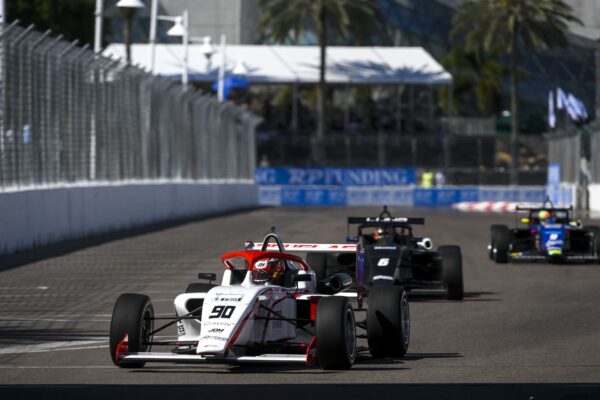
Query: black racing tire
column 452, row 271
column 388, row 321
column 336, row 333
column 199, row 287
column 318, row 263
column 131, row 316
column 595, row 231
column 493, row 230
column 501, row 244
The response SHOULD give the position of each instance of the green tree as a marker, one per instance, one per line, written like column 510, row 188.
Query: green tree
column 289, row 20
column 502, row 25
column 477, row 79
column 73, row 19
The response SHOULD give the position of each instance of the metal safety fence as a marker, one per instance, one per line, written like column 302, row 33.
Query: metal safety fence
column 565, row 149
column 69, row 115
column 595, row 157
column 464, row 160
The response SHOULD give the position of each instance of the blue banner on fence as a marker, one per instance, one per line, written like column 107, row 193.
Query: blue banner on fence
column 335, row 176
column 398, row 195
column 444, row 196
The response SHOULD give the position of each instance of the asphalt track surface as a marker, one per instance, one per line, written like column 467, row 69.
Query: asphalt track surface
column 522, row 331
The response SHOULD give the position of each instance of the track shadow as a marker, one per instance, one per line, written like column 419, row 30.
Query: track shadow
column 32, row 336
column 439, row 295
column 70, row 246
column 364, row 362
column 422, row 356
column 303, row 391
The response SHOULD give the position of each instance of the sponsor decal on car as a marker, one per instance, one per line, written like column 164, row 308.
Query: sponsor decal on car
column 228, row 298
column 217, row 323
column 210, row 337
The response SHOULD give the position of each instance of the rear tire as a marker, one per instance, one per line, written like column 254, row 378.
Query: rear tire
column 388, row 321
column 452, row 271
column 336, row 333
column 501, row 244
column 595, row 240
column 131, row 316
column 318, row 263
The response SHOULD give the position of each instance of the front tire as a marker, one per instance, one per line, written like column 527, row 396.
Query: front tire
column 452, row 272
column 388, row 321
column 493, row 230
column 336, row 333
column 132, row 316
column 501, row 244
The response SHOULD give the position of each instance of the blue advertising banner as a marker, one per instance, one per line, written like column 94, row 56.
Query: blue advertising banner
column 444, row 196
column 335, row 176
column 402, row 195
column 376, row 196
column 312, row 196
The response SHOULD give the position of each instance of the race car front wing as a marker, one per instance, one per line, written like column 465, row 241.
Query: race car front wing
column 197, row 358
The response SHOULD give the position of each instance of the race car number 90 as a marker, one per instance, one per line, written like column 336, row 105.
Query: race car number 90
column 222, row 312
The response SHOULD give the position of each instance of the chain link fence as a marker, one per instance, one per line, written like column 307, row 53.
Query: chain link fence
column 69, row 115
column 464, row 160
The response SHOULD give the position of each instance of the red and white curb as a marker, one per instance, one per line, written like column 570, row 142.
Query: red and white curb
column 486, row 206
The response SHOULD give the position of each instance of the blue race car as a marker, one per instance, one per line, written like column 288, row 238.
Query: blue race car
column 551, row 234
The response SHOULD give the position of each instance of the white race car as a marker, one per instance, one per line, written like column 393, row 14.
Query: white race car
column 267, row 309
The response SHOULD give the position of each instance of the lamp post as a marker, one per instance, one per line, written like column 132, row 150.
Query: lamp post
column 180, row 28
column 208, row 50
column 128, row 8
column 221, row 83
column 98, row 26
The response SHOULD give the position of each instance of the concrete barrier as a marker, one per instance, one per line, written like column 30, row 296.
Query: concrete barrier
column 37, row 217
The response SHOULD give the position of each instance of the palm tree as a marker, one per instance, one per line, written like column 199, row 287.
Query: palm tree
column 477, row 79
column 502, row 25
column 289, row 20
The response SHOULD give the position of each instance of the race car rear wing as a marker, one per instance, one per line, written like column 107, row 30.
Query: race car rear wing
column 306, row 247
column 546, row 205
column 387, row 220
column 538, row 208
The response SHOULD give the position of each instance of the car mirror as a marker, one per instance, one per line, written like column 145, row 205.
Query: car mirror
column 302, row 278
column 209, row 276
column 352, row 239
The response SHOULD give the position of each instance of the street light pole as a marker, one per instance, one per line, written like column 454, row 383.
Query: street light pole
column 2, row 11
column 128, row 8
column 186, row 40
column 97, row 27
column 221, row 83
column 153, row 22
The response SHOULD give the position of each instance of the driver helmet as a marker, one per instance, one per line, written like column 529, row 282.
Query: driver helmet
column 271, row 270
column 382, row 235
column 544, row 216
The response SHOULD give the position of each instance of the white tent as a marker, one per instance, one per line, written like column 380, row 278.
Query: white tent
column 296, row 64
